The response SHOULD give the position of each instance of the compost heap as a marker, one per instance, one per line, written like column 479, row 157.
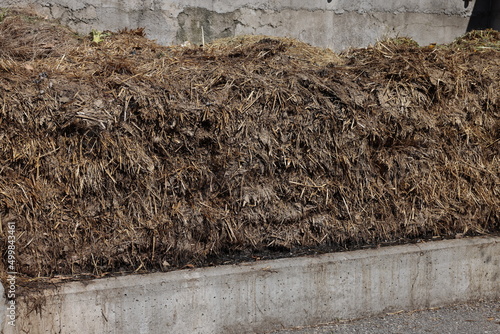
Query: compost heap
column 120, row 155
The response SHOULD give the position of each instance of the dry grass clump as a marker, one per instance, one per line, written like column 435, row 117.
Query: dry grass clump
column 479, row 40
column 25, row 36
column 289, row 48
column 125, row 155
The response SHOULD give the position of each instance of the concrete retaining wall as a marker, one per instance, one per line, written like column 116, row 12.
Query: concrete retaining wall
column 337, row 24
column 270, row 295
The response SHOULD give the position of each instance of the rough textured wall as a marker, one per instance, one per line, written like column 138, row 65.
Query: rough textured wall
column 337, row 24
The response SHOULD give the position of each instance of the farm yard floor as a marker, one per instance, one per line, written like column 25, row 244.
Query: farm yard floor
column 121, row 155
column 473, row 317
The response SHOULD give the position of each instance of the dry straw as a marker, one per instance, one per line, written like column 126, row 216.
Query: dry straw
column 124, row 155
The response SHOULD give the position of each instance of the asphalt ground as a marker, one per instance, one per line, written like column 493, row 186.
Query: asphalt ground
column 473, row 318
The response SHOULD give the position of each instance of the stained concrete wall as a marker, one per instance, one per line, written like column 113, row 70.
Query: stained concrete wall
column 337, row 24
column 270, row 295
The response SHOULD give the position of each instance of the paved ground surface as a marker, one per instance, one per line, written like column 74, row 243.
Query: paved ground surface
column 473, row 318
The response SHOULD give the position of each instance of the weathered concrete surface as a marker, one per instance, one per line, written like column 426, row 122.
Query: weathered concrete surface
column 337, row 24
column 270, row 295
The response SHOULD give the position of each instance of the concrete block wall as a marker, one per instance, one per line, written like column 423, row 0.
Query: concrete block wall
column 337, row 24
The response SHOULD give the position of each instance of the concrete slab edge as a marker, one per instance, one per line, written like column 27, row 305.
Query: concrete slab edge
column 268, row 295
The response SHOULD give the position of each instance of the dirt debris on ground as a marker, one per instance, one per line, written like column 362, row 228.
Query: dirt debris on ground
column 474, row 317
column 122, row 155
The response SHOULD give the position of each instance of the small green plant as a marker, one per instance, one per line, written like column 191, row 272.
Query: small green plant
column 3, row 14
column 98, row 36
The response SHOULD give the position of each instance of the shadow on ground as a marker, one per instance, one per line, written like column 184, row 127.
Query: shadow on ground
column 486, row 14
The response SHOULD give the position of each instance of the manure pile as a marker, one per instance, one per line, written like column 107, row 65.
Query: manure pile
column 127, row 156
